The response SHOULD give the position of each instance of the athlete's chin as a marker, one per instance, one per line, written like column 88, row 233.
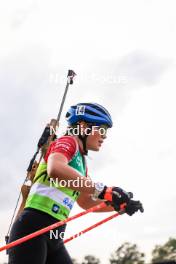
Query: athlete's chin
column 95, row 148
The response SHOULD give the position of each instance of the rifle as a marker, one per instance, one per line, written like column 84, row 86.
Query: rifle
column 45, row 140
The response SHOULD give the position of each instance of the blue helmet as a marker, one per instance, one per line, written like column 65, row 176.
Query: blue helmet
column 90, row 113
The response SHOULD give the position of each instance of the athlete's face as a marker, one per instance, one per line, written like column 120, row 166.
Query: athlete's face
column 96, row 138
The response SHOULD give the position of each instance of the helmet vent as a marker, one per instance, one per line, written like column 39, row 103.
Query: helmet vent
column 91, row 113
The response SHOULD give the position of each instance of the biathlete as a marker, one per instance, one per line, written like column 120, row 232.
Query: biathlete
column 49, row 202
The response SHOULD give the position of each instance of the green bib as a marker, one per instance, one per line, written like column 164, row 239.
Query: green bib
column 46, row 195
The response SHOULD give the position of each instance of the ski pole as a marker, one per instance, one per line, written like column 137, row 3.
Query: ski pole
column 53, row 226
column 94, row 226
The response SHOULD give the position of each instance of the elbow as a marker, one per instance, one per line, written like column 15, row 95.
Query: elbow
column 51, row 171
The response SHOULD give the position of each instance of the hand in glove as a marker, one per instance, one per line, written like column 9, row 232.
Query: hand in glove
column 133, row 207
column 116, row 196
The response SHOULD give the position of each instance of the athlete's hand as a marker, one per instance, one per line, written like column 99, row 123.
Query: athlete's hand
column 133, row 207
column 116, row 196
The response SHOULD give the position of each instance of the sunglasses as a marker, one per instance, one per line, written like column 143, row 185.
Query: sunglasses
column 103, row 129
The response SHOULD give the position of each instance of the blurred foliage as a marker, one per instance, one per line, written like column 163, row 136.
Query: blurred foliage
column 127, row 254
column 90, row 259
column 166, row 252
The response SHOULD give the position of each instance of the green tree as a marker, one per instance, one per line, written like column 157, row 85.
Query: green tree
column 164, row 252
column 89, row 259
column 127, row 254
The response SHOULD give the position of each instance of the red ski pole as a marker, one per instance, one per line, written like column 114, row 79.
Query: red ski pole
column 93, row 226
column 53, row 226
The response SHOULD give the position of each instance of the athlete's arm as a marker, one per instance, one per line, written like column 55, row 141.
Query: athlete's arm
column 58, row 168
column 58, row 157
column 85, row 202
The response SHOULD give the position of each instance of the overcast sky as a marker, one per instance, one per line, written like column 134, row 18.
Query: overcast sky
column 125, row 58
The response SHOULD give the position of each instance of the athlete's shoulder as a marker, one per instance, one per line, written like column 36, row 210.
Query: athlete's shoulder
column 66, row 145
column 66, row 139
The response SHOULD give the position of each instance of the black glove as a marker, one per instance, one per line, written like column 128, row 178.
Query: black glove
column 134, row 206
column 116, row 196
